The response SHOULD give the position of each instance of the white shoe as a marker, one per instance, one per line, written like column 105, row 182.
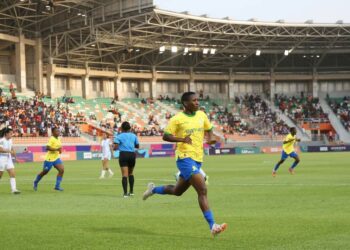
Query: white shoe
column 148, row 192
column 111, row 175
column 216, row 229
column 101, row 177
column 16, row 191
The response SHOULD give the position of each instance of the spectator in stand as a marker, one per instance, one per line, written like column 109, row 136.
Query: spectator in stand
column 168, row 115
column 13, row 94
column 302, row 109
column 201, row 94
column 32, row 117
column 94, row 133
column 260, row 117
column 342, row 110
column 137, row 93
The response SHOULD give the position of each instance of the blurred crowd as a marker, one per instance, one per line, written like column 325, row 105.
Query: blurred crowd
column 302, row 109
column 32, row 117
column 342, row 110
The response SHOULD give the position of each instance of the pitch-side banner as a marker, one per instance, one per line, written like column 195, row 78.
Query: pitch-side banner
column 24, row 157
column 338, row 148
column 221, row 151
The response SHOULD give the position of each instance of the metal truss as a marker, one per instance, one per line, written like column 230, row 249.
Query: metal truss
column 132, row 39
column 30, row 17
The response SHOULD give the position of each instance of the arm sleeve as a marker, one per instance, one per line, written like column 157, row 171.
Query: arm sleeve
column 2, row 143
column 207, row 125
column 171, row 128
column 116, row 140
column 136, row 141
column 288, row 137
column 50, row 143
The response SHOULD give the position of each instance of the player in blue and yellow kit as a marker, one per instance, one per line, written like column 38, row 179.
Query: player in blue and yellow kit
column 52, row 159
column 288, row 151
column 187, row 129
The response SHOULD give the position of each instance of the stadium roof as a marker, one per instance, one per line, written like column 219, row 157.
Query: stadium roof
column 132, row 35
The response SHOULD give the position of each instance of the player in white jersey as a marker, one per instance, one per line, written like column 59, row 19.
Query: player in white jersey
column 107, row 150
column 6, row 153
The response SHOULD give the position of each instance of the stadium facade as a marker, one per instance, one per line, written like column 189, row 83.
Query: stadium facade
column 107, row 48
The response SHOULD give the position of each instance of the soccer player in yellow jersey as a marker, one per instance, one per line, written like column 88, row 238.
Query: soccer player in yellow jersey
column 187, row 130
column 54, row 148
column 288, row 151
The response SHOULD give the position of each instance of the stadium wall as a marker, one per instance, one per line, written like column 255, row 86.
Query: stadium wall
column 125, row 84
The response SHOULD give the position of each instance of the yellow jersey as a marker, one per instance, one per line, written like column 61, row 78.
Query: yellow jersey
column 289, row 147
column 182, row 125
column 54, row 143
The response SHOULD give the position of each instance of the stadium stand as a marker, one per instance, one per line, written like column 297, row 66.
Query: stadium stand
column 341, row 107
column 303, row 109
column 31, row 117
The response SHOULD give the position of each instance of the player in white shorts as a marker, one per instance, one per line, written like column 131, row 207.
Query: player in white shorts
column 6, row 153
column 107, row 150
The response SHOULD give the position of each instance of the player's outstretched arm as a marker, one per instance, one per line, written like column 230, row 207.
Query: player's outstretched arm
column 211, row 137
column 290, row 140
column 48, row 148
column 2, row 150
column 13, row 152
column 171, row 138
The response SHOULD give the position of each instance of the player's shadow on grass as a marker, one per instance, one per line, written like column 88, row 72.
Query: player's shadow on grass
column 138, row 231
column 122, row 230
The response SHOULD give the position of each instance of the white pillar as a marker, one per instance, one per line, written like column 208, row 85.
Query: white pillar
column 109, row 88
column 231, row 93
column 118, row 87
column 272, row 85
column 154, row 83
column 50, row 80
column 192, row 85
column 69, row 87
column 85, row 82
column 38, row 78
column 86, row 86
column 21, row 77
column 315, row 86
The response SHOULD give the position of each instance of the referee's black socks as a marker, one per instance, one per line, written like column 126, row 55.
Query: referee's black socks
column 131, row 183
column 125, row 184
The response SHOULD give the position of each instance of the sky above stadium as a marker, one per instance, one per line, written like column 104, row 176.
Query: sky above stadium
column 321, row 11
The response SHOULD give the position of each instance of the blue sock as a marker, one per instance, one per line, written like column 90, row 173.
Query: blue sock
column 208, row 215
column 276, row 167
column 37, row 179
column 58, row 181
column 158, row 190
column 294, row 165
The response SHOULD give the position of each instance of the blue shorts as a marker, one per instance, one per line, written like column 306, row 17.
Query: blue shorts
column 49, row 164
column 285, row 155
column 188, row 167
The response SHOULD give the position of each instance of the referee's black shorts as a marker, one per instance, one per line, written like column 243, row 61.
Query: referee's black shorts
column 127, row 159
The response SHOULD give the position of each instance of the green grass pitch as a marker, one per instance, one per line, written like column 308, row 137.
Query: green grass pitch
column 310, row 210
